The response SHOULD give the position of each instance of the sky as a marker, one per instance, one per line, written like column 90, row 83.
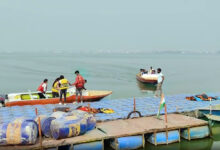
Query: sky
column 115, row 25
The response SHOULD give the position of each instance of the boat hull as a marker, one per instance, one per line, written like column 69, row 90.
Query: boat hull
column 144, row 80
column 69, row 99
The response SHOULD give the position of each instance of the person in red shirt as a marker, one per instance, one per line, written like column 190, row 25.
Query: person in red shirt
column 42, row 89
column 79, row 83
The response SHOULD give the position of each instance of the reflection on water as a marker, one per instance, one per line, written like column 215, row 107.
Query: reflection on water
column 216, row 132
column 146, row 87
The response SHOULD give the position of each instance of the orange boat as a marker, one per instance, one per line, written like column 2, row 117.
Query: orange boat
column 147, row 78
column 32, row 98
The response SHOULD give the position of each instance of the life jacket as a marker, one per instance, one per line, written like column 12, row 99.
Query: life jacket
column 94, row 110
column 64, row 84
column 80, row 81
column 201, row 97
column 54, row 88
column 41, row 88
column 87, row 109
column 106, row 110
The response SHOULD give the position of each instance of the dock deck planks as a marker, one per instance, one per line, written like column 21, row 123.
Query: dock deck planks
column 129, row 127
column 121, row 128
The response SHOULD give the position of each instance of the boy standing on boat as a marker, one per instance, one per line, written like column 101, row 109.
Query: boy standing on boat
column 79, row 83
column 63, row 86
column 160, row 80
column 42, row 89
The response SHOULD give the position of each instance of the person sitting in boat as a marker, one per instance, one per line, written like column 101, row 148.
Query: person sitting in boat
column 42, row 89
column 143, row 71
column 55, row 92
column 153, row 71
column 63, row 85
column 160, row 80
column 150, row 71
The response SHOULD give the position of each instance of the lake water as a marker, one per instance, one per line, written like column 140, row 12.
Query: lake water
column 184, row 73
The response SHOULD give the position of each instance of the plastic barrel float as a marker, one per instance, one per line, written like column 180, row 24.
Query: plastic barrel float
column 70, row 126
column 21, row 131
column 97, row 145
column 45, row 125
column 161, row 137
column 91, row 121
column 125, row 143
column 195, row 132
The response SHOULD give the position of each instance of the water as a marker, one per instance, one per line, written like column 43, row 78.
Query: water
column 184, row 73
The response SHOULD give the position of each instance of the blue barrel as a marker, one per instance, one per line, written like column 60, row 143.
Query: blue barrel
column 131, row 142
column 20, row 131
column 45, row 125
column 68, row 126
column 98, row 145
column 161, row 137
column 196, row 132
column 91, row 121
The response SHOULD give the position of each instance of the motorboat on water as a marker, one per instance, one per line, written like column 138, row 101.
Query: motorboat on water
column 32, row 98
column 147, row 78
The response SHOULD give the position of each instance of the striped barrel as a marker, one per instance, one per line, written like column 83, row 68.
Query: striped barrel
column 20, row 131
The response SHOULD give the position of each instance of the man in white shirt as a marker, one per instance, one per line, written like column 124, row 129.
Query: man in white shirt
column 160, row 80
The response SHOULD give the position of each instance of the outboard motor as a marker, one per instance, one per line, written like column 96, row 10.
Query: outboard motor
column 2, row 100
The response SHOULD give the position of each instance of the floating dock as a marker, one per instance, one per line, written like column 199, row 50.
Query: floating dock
column 147, row 106
column 114, row 130
column 114, row 127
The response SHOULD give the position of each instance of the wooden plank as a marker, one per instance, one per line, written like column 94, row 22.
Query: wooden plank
column 181, row 121
column 129, row 127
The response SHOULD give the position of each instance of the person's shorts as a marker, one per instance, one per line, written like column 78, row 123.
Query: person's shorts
column 79, row 91
column 159, row 86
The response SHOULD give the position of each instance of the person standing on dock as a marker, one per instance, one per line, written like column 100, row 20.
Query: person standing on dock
column 160, row 80
column 79, row 83
column 42, row 89
column 63, row 85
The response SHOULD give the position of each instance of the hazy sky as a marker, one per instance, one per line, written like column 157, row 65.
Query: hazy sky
column 144, row 25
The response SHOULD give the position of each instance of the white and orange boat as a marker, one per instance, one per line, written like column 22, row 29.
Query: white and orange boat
column 147, row 78
column 32, row 98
